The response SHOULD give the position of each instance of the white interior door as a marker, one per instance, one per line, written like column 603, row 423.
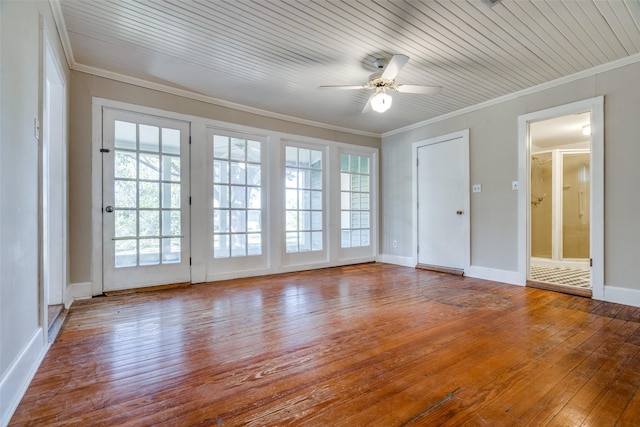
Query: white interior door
column 146, row 238
column 443, row 200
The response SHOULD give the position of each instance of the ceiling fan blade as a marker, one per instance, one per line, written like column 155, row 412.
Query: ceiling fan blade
column 367, row 107
column 394, row 66
column 425, row 90
column 345, row 87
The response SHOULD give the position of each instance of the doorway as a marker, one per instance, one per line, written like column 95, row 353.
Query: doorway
column 563, row 167
column 442, row 208
column 54, row 193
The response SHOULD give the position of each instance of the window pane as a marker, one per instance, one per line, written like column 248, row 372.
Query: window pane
column 292, row 199
column 125, row 135
column 305, row 220
column 316, row 200
column 345, row 219
column 220, row 196
column 304, row 178
column 124, row 194
column 305, row 199
column 238, row 196
column 292, row 220
column 254, row 198
column 316, row 159
column 220, row 147
column 170, row 168
column 149, row 251
column 355, row 200
column 316, row 220
column 125, row 165
column 316, row 241
column 238, row 147
column 171, row 196
column 171, row 251
column 126, row 223
column 149, row 166
column 304, row 158
column 304, row 241
column 291, row 178
column 292, row 242
column 291, row 156
column 238, row 221
column 221, row 246
column 364, row 183
column 238, row 244
column 253, row 174
column 126, row 253
column 364, row 165
column 238, row 175
column 254, row 221
column 149, row 194
column 171, row 225
column 149, row 138
column 149, row 223
column 170, row 141
column 344, row 162
column 316, row 180
column 220, row 171
column 220, row 221
column 254, row 244
column 253, row 152
column 345, row 238
column 345, row 181
column 364, row 220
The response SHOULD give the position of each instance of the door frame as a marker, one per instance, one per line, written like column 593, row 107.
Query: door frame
column 464, row 134
column 595, row 106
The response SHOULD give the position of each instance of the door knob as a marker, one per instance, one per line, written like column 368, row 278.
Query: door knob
column 109, row 209
column 459, row 212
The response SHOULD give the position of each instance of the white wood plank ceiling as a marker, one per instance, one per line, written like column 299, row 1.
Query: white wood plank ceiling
column 273, row 55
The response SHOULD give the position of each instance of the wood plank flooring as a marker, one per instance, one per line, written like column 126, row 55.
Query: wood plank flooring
column 365, row 345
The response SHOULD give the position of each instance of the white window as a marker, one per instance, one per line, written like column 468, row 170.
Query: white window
column 237, row 197
column 355, row 201
column 303, row 199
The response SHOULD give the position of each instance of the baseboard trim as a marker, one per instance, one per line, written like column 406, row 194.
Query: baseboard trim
column 622, row 295
column 15, row 382
column 76, row 291
column 398, row 260
column 494, row 274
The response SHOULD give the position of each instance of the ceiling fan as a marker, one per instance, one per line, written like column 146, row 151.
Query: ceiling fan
column 384, row 81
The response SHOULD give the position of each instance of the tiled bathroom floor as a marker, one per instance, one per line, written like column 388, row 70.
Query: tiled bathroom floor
column 562, row 276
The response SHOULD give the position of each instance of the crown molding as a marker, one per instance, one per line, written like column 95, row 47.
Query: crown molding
column 544, row 86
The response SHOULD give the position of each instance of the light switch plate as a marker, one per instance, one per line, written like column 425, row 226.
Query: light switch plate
column 476, row 188
column 515, row 186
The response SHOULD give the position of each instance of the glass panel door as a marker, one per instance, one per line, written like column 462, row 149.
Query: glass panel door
column 145, row 200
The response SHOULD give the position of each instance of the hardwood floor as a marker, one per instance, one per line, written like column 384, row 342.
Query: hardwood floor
column 365, row 345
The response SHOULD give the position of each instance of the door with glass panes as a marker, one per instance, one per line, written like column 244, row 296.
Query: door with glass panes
column 145, row 200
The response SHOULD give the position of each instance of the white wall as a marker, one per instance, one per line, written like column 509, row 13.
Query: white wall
column 22, row 340
column 494, row 164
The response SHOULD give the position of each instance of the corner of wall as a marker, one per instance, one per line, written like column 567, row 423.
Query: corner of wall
column 77, row 291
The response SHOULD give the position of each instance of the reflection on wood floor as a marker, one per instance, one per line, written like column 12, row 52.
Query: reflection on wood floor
column 365, row 345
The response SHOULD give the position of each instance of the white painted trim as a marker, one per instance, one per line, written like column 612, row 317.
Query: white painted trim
column 493, row 274
column 96, row 197
column 515, row 95
column 16, row 380
column 398, row 260
column 464, row 134
column 596, row 107
column 78, row 291
column 622, row 295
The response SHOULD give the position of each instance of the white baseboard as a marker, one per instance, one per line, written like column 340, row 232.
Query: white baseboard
column 622, row 295
column 16, row 380
column 398, row 260
column 76, row 291
column 494, row 274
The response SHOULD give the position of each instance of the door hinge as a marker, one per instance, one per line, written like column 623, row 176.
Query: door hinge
column 189, row 260
column 418, row 249
column 590, row 262
column 189, row 139
column 189, row 200
column 104, row 150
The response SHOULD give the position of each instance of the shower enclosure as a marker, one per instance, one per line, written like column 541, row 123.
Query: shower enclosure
column 560, row 208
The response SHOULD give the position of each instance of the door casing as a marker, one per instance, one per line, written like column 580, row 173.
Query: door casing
column 595, row 106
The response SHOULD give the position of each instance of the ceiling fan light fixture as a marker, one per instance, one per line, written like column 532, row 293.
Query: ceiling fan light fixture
column 381, row 101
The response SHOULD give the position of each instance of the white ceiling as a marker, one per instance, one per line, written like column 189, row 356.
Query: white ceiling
column 273, row 55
